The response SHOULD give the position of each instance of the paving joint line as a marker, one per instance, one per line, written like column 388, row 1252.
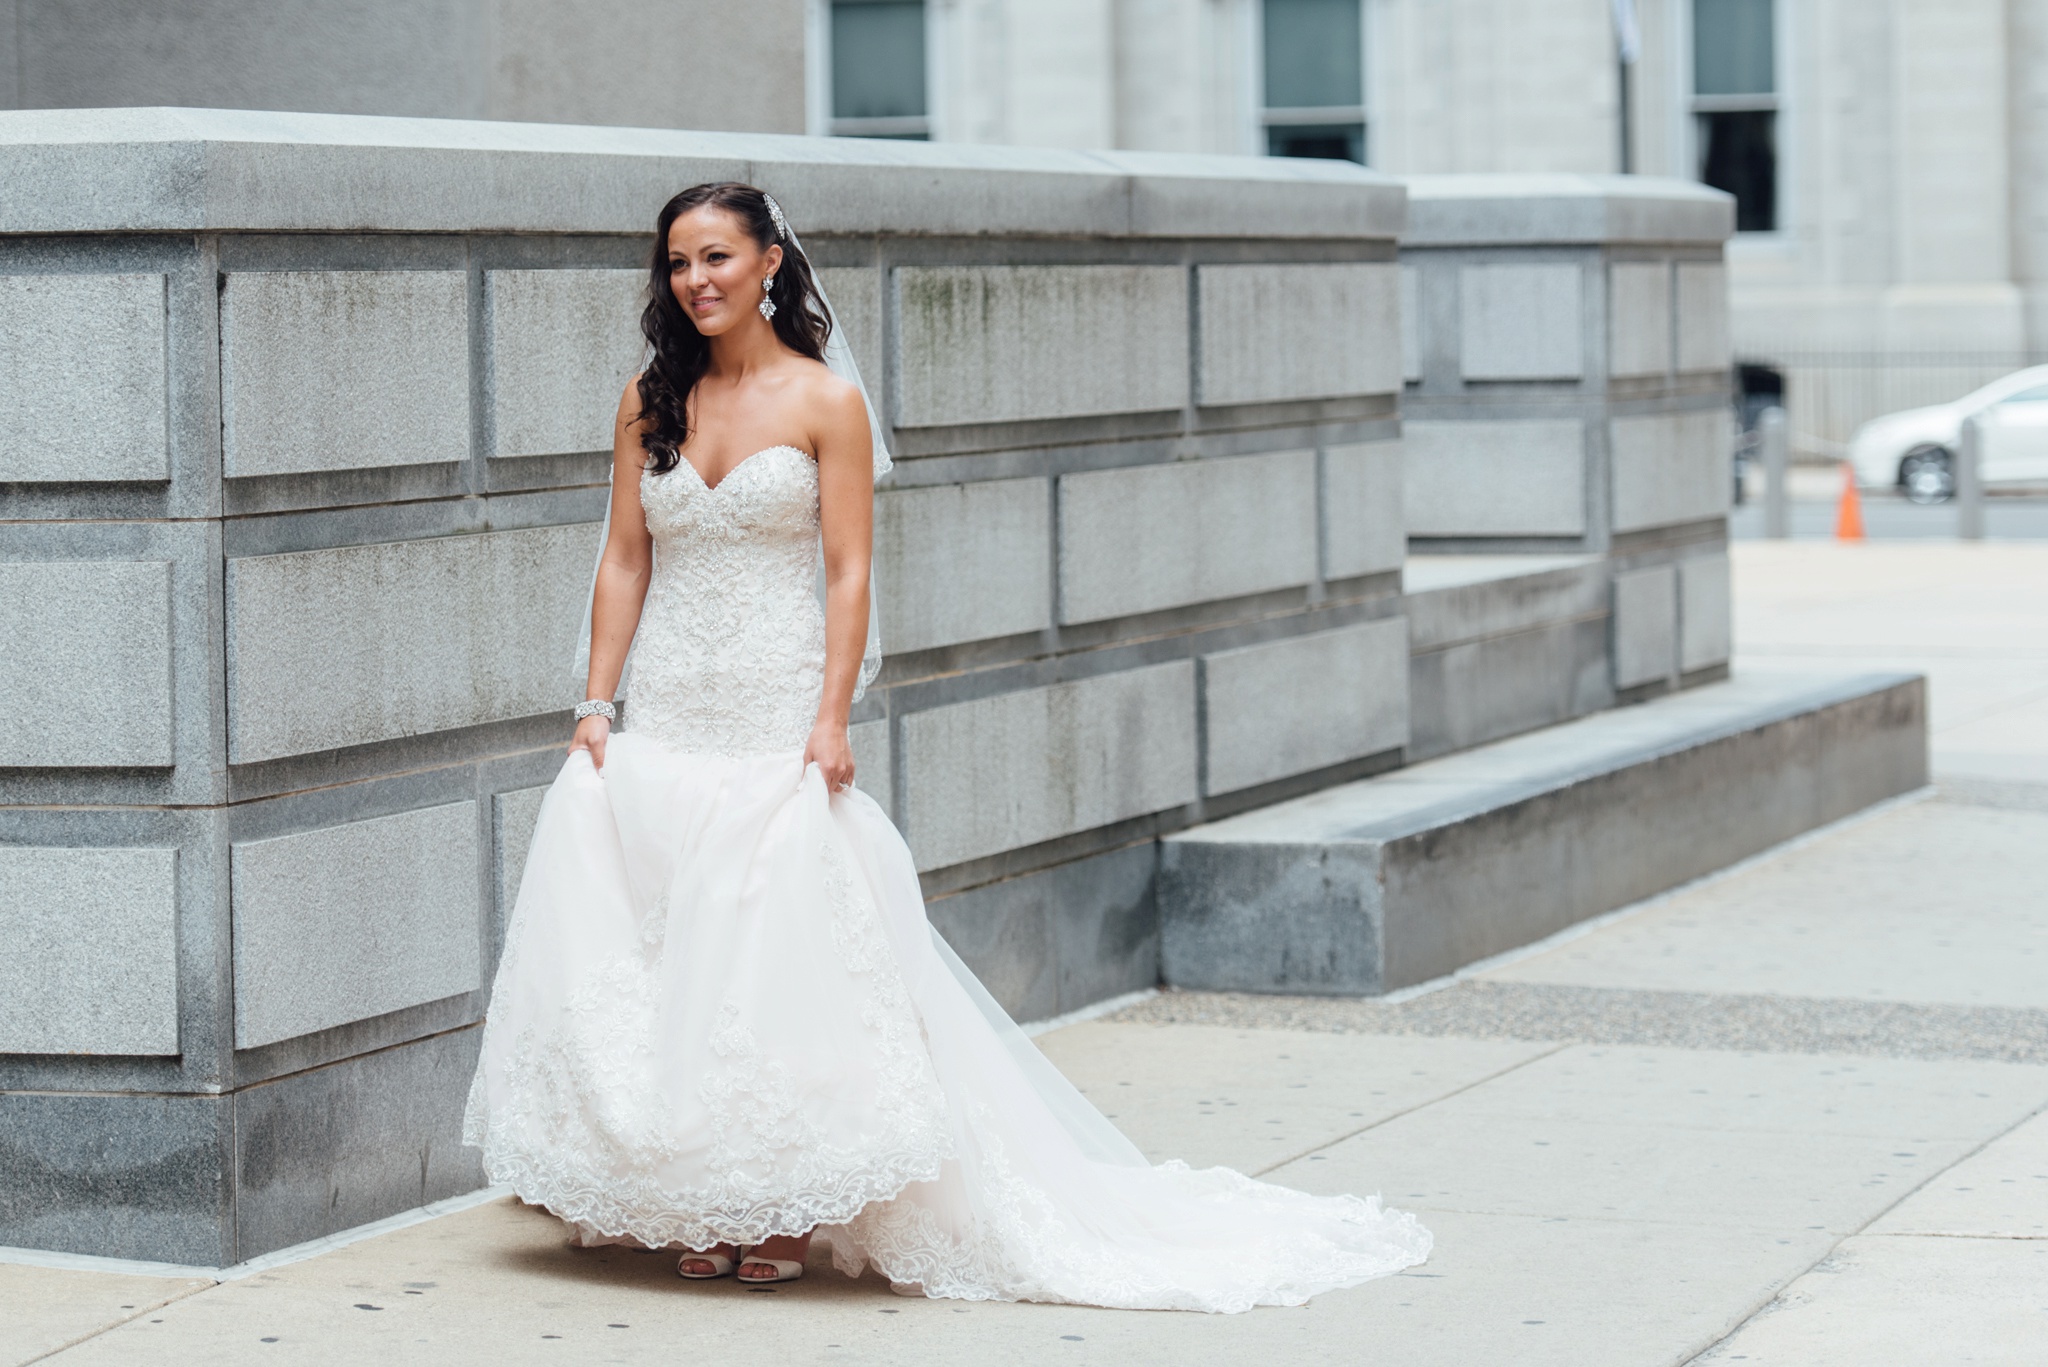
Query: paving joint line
column 1389, row 1118
column 1860, row 1231
column 92, row 1334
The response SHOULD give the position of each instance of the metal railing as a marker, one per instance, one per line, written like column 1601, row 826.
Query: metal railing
column 1829, row 394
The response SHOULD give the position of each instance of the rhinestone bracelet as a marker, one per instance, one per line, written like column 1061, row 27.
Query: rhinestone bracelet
column 596, row 707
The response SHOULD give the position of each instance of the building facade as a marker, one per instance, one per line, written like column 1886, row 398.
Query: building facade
column 1886, row 155
column 630, row 62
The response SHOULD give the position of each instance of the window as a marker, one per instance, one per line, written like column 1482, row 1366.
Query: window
column 878, row 73
column 1314, row 79
column 1735, row 106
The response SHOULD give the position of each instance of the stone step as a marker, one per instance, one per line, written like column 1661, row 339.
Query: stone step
column 1394, row 880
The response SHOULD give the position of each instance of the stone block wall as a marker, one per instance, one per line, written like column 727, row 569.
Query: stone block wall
column 302, row 447
column 302, row 451
column 75, row 341
column 1570, row 350
column 1568, row 394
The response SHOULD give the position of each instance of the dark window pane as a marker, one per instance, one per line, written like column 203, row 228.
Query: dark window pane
column 1313, row 54
column 1739, row 154
column 1731, row 47
column 877, row 59
column 1333, row 142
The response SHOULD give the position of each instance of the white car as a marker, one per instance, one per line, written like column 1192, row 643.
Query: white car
column 1914, row 451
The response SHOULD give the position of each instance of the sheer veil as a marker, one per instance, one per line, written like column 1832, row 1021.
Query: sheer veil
column 839, row 360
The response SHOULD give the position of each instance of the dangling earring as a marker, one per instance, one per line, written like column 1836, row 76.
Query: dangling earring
column 767, row 304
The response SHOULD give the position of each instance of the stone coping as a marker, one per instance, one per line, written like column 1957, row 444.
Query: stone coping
column 1559, row 208
column 174, row 169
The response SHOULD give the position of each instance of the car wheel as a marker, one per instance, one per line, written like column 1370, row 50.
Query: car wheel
column 1927, row 475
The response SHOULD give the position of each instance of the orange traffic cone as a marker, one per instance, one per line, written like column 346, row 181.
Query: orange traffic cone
column 1849, row 512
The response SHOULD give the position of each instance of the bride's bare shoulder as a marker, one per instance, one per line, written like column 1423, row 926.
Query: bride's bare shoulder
column 826, row 394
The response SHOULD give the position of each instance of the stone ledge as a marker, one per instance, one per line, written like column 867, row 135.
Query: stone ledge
column 198, row 170
column 1555, row 208
column 1399, row 879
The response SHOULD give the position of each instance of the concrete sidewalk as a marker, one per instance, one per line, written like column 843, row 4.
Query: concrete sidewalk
column 1608, row 1182
column 1973, row 617
column 1795, row 1114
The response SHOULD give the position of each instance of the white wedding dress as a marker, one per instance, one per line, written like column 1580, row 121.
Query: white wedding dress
column 721, row 1014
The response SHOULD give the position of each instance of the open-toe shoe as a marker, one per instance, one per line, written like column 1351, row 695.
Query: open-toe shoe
column 786, row 1269
column 721, row 1266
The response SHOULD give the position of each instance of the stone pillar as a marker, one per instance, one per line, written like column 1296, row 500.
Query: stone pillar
column 1567, row 357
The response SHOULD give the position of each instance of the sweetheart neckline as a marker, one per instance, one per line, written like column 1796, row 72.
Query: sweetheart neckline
column 723, row 479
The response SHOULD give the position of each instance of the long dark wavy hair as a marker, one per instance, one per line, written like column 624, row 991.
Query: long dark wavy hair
column 681, row 353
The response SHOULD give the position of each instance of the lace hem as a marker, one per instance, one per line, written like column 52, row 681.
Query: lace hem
column 727, row 1213
column 579, row 1128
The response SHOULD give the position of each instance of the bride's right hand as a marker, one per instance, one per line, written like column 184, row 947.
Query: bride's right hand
column 591, row 734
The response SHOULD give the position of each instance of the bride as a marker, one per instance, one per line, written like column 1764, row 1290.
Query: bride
column 722, row 1023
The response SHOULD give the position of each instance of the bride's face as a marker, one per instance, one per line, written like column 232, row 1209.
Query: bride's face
column 716, row 269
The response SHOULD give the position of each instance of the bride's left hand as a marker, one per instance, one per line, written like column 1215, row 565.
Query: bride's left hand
column 829, row 750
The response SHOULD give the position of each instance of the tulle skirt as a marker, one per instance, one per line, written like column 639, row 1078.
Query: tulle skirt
column 721, row 1015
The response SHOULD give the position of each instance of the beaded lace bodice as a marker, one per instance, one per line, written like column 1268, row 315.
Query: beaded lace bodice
column 730, row 655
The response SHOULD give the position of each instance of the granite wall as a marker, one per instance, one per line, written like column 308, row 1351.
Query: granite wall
column 301, row 430
column 1566, row 423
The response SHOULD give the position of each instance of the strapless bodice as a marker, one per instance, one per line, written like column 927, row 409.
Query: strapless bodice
column 730, row 655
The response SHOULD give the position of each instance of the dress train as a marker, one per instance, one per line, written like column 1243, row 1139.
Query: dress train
column 722, row 1015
